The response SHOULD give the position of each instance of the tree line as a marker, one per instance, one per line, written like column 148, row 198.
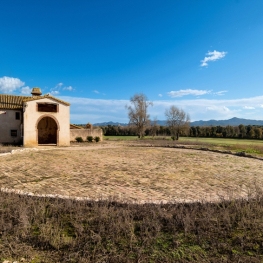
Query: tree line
column 240, row 131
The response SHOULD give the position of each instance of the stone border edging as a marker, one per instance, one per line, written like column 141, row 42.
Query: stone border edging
column 19, row 150
column 107, row 198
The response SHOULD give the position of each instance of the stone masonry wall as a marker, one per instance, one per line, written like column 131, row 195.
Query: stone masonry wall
column 94, row 132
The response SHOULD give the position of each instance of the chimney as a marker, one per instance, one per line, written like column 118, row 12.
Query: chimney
column 36, row 91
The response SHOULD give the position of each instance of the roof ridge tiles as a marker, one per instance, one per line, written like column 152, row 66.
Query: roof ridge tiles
column 16, row 101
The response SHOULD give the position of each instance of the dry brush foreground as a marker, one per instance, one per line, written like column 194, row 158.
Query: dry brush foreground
column 42, row 229
column 137, row 174
column 54, row 230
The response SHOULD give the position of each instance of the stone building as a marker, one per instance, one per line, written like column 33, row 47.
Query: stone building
column 35, row 120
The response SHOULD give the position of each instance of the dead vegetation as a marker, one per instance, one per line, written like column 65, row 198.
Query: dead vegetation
column 57, row 230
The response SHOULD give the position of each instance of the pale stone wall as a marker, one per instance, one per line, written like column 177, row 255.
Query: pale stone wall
column 8, row 122
column 94, row 132
column 32, row 117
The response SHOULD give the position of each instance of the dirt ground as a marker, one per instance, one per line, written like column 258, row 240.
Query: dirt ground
column 138, row 174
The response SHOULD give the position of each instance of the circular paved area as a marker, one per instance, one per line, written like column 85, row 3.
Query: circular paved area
column 140, row 174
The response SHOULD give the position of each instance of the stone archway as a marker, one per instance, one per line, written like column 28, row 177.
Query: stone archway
column 47, row 131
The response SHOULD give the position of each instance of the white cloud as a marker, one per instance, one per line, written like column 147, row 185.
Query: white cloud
column 97, row 92
column 218, row 108
column 59, row 85
column 9, row 84
column 54, row 92
column 160, row 95
column 85, row 110
column 185, row 92
column 69, row 88
column 212, row 56
column 226, row 109
column 248, row 107
column 220, row 93
column 25, row 90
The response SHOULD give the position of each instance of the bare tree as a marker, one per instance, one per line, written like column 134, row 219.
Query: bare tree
column 177, row 120
column 138, row 113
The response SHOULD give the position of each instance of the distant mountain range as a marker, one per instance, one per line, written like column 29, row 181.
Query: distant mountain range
column 233, row 122
column 110, row 123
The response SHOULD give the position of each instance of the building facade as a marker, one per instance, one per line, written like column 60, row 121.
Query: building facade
column 36, row 120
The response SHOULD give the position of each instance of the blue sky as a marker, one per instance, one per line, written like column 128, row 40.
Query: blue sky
column 204, row 56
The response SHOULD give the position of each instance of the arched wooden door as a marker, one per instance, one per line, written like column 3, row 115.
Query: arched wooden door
column 47, row 131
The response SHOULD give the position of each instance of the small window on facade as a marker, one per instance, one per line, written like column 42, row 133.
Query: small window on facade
column 47, row 107
column 17, row 115
column 14, row 133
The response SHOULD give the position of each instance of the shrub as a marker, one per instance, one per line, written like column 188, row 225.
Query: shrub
column 89, row 138
column 54, row 230
column 97, row 139
column 79, row 139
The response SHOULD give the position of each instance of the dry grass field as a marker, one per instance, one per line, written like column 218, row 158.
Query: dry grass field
column 137, row 174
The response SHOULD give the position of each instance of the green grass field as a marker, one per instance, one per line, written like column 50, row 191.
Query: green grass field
column 237, row 145
column 215, row 141
column 120, row 138
column 222, row 141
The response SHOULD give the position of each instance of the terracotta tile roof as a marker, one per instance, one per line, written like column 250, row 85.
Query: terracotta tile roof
column 11, row 101
column 46, row 96
column 16, row 102
column 73, row 126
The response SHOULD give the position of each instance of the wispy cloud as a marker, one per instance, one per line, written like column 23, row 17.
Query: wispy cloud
column 218, row 109
column 98, row 92
column 185, row 92
column 60, row 87
column 220, row 93
column 212, row 56
column 248, row 107
column 9, row 84
column 54, row 92
column 85, row 110
column 69, row 88
column 160, row 95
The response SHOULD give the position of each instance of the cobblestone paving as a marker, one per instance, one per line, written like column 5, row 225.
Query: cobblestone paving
column 131, row 173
